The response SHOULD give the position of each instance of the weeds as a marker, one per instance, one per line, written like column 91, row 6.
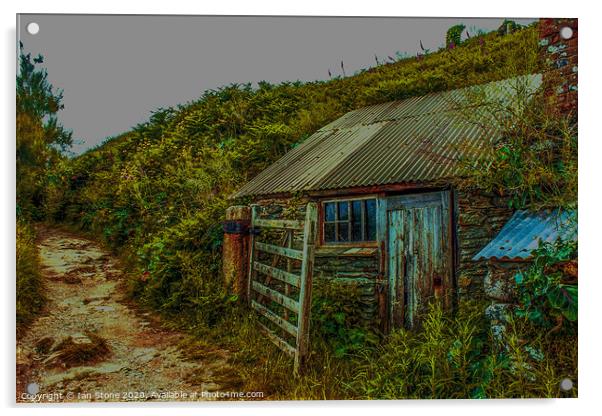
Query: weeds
column 456, row 357
column 547, row 291
column 534, row 161
column 448, row 357
column 30, row 297
column 84, row 349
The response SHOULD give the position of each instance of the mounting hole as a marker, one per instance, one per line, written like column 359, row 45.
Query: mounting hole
column 33, row 388
column 33, row 28
column 566, row 33
column 566, row 384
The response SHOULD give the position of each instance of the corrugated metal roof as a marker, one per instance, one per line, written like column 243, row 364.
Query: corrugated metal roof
column 523, row 232
column 415, row 140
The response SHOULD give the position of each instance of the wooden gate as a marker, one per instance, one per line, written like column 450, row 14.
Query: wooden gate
column 419, row 254
column 282, row 295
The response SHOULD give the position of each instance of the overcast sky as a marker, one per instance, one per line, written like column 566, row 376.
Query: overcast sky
column 114, row 70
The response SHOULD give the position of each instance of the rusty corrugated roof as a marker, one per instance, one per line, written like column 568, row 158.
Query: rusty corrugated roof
column 419, row 139
column 523, row 232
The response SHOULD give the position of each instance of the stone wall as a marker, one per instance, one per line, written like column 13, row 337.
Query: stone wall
column 479, row 218
column 500, row 289
column 360, row 271
column 498, row 284
column 558, row 42
column 560, row 57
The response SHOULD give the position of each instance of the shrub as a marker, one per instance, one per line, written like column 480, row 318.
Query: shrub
column 547, row 294
column 180, row 270
column 435, row 361
column 453, row 37
column 336, row 321
column 39, row 135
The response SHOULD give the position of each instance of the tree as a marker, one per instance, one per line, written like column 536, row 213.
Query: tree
column 40, row 137
column 508, row 26
column 454, row 35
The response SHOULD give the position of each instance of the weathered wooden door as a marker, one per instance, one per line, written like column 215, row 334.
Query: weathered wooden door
column 419, row 254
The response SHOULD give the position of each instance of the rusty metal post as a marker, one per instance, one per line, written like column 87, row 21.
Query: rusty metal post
column 235, row 255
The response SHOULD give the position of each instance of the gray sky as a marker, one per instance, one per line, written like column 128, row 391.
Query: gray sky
column 114, row 70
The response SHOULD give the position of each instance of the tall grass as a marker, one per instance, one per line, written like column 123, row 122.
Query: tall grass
column 452, row 356
column 456, row 356
column 29, row 283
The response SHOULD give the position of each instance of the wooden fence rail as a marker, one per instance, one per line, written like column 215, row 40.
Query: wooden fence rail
column 271, row 297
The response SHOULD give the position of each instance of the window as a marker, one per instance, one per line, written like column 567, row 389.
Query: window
column 348, row 221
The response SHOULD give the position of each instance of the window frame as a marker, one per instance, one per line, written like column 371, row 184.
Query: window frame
column 349, row 200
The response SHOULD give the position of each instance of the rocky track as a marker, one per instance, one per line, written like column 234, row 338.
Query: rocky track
column 91, row 344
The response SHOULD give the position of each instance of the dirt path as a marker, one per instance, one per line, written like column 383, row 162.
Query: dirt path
column 90, row 344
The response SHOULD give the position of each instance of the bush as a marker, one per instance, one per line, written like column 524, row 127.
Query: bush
column 180, row 271
column 547, row 290
column 336, row 321
column 436, row 361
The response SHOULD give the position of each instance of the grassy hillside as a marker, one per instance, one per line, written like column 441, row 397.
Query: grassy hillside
column 161, row 189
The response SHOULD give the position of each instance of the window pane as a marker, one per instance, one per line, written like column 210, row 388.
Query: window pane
column 329, row 232
column 343, row 234
column 346, row 221
column 343, row 211
column 356, row 231
column 356, row 221
column 329, row 209
column 371, row 219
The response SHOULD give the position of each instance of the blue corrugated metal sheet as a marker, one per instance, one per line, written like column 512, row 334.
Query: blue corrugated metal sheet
column 416, row 140
column 523, row 232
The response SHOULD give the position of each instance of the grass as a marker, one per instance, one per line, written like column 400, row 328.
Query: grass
column 451, row 356
column 30, row 298
column 69, row 352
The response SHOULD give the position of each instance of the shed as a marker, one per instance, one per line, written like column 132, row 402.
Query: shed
column 389, row 219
